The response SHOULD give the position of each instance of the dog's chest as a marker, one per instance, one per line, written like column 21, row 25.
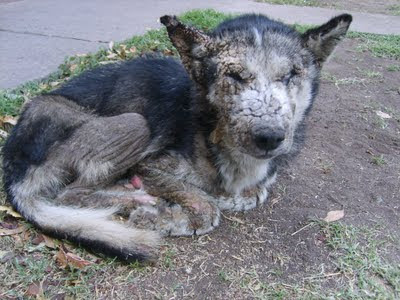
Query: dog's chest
column 240, row 173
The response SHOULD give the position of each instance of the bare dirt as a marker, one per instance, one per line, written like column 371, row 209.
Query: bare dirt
column 349, row 160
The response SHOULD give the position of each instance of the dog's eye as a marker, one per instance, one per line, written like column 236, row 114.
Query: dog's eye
column 286, row 79
column 235, row 76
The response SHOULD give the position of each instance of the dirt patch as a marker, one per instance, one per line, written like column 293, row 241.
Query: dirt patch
column 350, row 161
column 388, row 7
column 336, row 169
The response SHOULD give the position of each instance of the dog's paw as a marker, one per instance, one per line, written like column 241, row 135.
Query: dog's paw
column 175, row 220
column 236, row 203
column 204, row 216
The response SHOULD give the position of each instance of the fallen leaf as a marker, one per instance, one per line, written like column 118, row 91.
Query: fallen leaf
column 77, row 261
column 383, row 115
column 334, row 215
column 237, row 220
column 9, row 225
column 6, row 256
column 3, row 134
column 4, row 231
column 34, row 289
column 111, row 55
column 73, row 67
column 10, row 211
column 7, row 122
column 61, row 258
column 49, row 242
column 65, row 259
column 38, row 239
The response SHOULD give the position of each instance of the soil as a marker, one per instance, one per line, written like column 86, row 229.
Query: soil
column 337, row 168
column 349, row 160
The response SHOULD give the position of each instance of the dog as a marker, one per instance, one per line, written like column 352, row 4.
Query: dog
column 196, row 136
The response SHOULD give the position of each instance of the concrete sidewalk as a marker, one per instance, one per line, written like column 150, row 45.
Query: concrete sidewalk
column 36, row 36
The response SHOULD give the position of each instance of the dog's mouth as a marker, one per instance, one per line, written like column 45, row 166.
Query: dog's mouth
column 266, row 155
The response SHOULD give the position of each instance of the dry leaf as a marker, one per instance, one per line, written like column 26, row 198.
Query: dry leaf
column 77, row 261
column 10, row 211
column 73, row 67
column 111, row 55
column 4, row 231
column 3, row 134
column 6, row 256
column 334, row 215
column 65, row 259
column 49, row 242
column 8, row 120
column 34, row 289
column 237, row 220
column 61, row 258
column 383, row 115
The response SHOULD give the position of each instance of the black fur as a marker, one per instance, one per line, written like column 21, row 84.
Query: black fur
column 250, row 21
column 29, row 145
column 158, row 88
column 165, row 92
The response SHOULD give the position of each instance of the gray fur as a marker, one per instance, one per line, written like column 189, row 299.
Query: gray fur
column 255, row 80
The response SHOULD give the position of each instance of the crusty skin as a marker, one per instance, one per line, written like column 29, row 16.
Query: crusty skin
column 203, row 135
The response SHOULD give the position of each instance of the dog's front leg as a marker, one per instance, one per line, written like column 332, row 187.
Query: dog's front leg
column 247, row 199
column 187, row 209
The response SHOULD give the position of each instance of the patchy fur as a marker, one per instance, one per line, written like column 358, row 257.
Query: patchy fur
column 201, row 136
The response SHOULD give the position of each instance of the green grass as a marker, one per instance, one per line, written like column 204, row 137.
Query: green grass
column 11, row 100
column 357, row 252
column 378, row 160
column 395, row 9
column 393, row 68
column 359, row 256
column 293, row 2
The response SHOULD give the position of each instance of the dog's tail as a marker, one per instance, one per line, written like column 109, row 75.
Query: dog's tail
column 92, row 228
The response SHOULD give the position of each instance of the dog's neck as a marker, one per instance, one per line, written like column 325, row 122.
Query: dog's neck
column 237, row 171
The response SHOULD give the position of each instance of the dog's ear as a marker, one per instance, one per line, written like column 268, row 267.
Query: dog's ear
column 185, row 39
column 323, row 40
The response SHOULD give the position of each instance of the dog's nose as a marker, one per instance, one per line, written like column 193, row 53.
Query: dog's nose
column 269, row 140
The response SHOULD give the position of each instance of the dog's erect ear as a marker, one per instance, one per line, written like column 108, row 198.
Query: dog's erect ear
column 323, row 40
column 185, row 38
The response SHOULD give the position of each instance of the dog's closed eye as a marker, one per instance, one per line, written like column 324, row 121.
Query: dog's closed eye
column 288, row 77
column 235, row 76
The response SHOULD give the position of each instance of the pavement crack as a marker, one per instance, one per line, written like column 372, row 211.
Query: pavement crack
column 53, row 36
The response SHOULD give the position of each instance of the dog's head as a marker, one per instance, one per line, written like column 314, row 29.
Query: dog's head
column 259, row 75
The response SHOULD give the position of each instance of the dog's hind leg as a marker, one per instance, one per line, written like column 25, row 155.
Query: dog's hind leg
column 97, row 153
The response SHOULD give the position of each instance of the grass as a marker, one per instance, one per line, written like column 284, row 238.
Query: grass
column 11, row 100
column 393, row 68
column 356, row 252
column 378, row 160
column 360, row 271
column 395, row 9
column 293, row 2
column 359, row 253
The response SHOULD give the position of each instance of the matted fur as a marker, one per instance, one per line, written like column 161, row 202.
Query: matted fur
column 203, row 136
